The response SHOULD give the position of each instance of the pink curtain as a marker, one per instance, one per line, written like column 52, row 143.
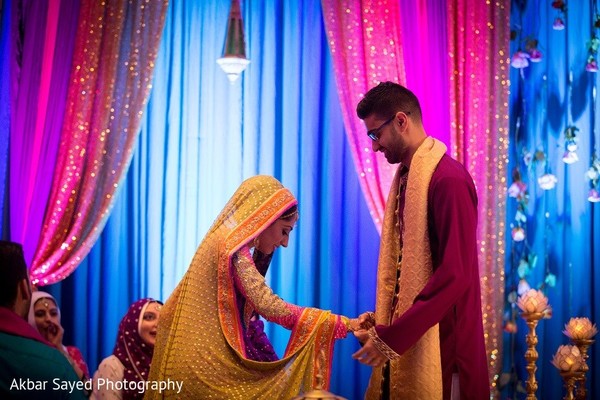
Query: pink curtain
column 425, row 54
column 116, row 45
column 366, row 44
column 478, row 38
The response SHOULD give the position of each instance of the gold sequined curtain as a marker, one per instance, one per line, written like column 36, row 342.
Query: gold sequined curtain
column 115, row 47
column 478, row 40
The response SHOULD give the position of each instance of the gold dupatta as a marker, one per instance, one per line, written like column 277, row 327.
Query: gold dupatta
column 417, row 374
column 200, row 335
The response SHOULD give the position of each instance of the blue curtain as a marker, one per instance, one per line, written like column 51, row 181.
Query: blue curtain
column 200, row 138
column 563, row 227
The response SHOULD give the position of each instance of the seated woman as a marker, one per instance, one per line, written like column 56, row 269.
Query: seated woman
column 131, row 357
column 210, row 337
column 44, row 315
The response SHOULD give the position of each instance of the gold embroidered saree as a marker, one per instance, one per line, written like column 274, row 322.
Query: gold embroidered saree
column 200, row 339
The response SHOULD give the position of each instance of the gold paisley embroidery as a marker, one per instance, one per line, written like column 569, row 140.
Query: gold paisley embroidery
column 419, row 369
column 262, row 298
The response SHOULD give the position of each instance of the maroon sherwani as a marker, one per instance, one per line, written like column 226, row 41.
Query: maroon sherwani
column 452, row 295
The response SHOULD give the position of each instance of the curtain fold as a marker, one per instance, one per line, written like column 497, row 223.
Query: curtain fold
column 38, row 86
column 478, row 40
column 365, row 39
column 425, row 51
column 115, row 48
column 5, row 36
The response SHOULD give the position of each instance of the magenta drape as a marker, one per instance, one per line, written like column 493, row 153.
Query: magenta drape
column 115, row 48
column 425, row 54
column 366, row 46
column 39, row 78
column 478, row 38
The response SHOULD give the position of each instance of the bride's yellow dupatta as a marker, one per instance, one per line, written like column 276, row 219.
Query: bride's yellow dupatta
column 200, row 338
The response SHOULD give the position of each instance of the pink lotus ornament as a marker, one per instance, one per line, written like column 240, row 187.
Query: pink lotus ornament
column 519, row 60
column 591, row 66
column 570, row 157
column 535, row 55
column 518, row 234
column 517, row 189
column 533, row 301
column 593, row 196
column 580, row 328
column 568, row 358
column 547, row 181
column 558, row 24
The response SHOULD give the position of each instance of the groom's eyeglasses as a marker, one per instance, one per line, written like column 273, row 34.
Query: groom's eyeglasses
column 375, row 133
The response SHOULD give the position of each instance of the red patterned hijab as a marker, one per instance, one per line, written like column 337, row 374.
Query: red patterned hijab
column 131, row 349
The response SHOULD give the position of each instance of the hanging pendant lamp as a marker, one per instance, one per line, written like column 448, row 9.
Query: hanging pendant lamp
column 234, row 60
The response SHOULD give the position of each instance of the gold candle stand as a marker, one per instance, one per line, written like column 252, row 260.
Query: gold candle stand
column 582, row 345
column 531, row 355
column 569, row 377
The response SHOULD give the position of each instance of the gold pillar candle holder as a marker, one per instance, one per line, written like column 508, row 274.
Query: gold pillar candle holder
column 569, row 378
column 531, row 355
column 534, row 306
column 582, row 345
column 581, row 331
column 568, row 361
column 318, row 393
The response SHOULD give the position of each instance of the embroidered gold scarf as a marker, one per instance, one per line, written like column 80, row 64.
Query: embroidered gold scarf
column 200, row 335
column 417, row 373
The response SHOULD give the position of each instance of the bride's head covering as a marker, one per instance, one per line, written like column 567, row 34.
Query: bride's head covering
column 35, row 296
column 256, row 204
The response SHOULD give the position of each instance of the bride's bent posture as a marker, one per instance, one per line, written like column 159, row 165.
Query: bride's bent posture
column 210, row 336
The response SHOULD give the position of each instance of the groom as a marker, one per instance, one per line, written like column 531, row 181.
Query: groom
column 427, row 325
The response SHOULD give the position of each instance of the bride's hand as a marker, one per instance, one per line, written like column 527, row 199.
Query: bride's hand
column 366, row 320
column 354, row 324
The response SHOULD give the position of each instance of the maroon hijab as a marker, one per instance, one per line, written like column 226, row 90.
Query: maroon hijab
column 131, row 350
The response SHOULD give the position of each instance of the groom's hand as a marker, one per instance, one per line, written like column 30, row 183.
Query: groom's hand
column 368, row 354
